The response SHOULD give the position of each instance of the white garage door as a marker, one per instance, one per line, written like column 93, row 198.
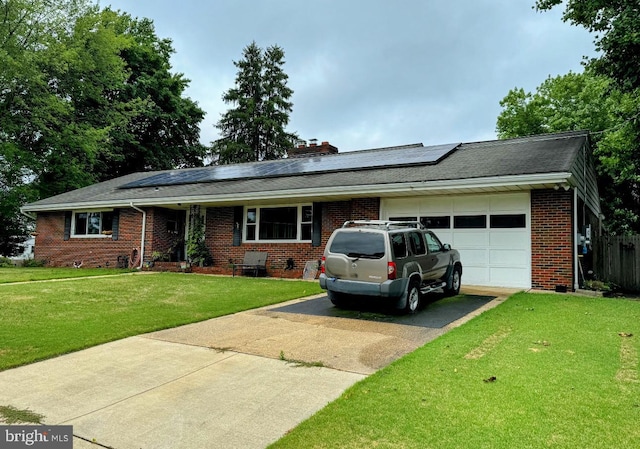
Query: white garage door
column 492, row 233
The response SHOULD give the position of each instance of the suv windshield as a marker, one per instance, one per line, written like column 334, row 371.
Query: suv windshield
column 368, row 245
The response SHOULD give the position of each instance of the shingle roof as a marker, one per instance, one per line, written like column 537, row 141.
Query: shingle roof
column 534, row 155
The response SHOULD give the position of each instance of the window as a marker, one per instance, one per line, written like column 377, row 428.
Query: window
column 366, row 245
column 176, row 220
column 306, row 223
column 470, row 221
column 417, row 243
column 398, row 246
column 433, row 243
column 402, row 218
column 92, row 223
column 443, row 222
column 278, row 223
column 508, row 221
column 251, row 224
column 292, row 223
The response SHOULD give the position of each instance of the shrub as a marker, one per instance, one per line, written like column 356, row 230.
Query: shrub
column 32, row 263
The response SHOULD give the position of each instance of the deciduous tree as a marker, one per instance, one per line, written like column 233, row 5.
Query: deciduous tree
column 616, row 28
column 30, row 111
column 615, row 25
column 590, row 102
column 85, row 95
column 159, row 128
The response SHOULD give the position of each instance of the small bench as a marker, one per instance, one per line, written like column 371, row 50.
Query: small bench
column 254, row 262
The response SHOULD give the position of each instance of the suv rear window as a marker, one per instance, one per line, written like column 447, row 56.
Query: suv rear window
column 368, row 245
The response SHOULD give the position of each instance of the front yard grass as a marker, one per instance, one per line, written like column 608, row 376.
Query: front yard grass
column 46, row 319
column 538, row 371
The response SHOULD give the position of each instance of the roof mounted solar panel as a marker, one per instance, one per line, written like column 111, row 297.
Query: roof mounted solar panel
column 351, row 161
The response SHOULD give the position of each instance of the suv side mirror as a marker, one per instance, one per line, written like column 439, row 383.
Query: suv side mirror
column 447, row 247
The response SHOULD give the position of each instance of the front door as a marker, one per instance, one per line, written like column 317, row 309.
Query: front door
column 176, row 227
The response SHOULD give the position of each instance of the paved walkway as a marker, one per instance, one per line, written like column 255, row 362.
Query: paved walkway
column 228, row 382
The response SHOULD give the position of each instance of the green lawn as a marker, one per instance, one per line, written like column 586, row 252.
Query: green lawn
column 538, row 371
column 8, row 275
column 44, row 319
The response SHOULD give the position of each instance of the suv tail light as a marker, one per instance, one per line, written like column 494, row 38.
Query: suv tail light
column 392, row 271
column 322, row 262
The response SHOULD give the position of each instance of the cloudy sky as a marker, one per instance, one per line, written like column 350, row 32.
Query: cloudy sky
column 372, row 73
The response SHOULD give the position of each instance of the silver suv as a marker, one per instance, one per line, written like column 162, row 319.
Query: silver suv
column 388, row 259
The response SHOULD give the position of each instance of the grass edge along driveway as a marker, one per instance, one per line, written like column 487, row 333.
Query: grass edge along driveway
column 40, row 320
column 11, row 275
column 539, row 370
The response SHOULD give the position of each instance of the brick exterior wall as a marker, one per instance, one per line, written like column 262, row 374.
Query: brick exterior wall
column 552, row 239
column 52, row 248
column 104, row 251
column 219, row 238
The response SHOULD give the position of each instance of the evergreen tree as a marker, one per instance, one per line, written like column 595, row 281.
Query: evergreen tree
column 255, row 129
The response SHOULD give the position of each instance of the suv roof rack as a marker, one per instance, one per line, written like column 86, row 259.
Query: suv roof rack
column 388, row 224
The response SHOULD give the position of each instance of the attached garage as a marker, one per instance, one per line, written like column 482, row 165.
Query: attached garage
column 492, row 232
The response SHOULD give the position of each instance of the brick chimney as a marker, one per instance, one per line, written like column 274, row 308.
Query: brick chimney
column 313, row 149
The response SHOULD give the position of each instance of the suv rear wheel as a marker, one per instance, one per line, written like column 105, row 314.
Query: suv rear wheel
column 337, row 299
column 413, row 297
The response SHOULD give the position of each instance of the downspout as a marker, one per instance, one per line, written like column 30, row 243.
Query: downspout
column 576, row 260
column 144, row 231
column 32, row 216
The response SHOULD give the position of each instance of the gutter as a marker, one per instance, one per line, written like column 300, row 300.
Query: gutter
column 30, row 215
column 474, row 185
column 144, row 231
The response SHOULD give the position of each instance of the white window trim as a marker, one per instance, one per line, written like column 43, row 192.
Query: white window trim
column 100, row 235
column 299, row 223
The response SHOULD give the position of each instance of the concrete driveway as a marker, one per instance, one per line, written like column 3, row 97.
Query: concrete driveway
column 240, row 381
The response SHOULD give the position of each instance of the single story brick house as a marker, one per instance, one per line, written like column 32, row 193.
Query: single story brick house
column 515, row 209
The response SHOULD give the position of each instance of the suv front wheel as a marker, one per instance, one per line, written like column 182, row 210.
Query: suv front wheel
column 455, row 283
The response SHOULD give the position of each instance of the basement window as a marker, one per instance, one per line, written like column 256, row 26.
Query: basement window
column 92, row 224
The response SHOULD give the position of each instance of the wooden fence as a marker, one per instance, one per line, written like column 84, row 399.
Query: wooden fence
column 616, row 259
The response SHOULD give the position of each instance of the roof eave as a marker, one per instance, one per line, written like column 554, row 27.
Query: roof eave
column 456, row 186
